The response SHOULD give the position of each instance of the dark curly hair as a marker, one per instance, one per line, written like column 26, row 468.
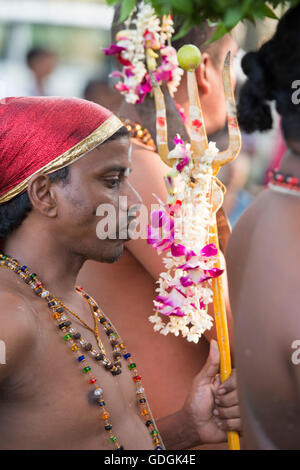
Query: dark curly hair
column 271, row 72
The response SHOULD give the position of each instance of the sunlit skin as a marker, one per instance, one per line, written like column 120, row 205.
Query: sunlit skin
column 39, row 385
column 135, row 274
column 210, row 85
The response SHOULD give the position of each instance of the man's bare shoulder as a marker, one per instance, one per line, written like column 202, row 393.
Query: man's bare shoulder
column 17, row 325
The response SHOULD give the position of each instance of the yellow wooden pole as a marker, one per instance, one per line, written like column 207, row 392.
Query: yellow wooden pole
column 222, row 332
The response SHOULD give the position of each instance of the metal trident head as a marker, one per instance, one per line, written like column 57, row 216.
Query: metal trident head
column 199, row 141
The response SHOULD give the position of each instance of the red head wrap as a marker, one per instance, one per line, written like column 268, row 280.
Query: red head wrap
column 46, row 134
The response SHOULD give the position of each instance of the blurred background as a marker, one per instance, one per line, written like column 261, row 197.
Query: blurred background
column 53, row 47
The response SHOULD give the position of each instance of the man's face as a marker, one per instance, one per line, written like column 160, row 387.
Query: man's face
column 213, row 103
column 44, row 65
column 92, row 220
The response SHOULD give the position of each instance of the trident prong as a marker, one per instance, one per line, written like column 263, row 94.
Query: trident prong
column 235, row 140
column 161, row 122
column 199, row 141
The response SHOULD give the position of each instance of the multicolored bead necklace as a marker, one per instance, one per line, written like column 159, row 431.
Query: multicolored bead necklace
column 76, row 342
column 286, row 184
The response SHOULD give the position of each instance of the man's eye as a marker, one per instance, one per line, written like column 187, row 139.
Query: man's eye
column 113, row 182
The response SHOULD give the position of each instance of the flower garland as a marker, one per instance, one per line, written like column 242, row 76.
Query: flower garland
column 138, row 48
column 180, row 229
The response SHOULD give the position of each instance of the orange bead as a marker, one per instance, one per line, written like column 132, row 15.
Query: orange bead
column 145, row 412
column 105, row 415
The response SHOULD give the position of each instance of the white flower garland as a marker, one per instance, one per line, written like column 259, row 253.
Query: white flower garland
column 184, row 289
column 138, row 49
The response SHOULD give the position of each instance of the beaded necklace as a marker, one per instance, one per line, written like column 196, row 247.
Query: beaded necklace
column 285, row 184
column 137, row 131
column 76, row 342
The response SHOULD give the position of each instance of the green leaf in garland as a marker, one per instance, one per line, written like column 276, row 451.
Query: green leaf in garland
column 218, row 34
column 161, row 7
column 112, row 2
column 269, row 13
column 182, row 7
column 184, row 29
column 233, row 16
column 126, row 8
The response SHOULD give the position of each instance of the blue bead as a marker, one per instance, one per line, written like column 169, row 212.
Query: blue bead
column 127, row 355
column 23, row 268
column 81, row 358
column 101, row 403
column 158, row 448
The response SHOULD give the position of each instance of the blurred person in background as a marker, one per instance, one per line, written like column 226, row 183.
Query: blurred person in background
column 42, row 63
column 263, row 254
column 98, row 91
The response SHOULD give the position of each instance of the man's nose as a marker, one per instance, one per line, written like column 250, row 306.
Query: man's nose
column 133, row 196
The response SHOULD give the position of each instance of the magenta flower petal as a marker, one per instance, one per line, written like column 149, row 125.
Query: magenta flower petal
column 116, row 74
column 178, row 141
column 177, row 313
column 190, row 254
column 183, row 163
column 153, row 236
column 209, row 250
column 113, row 49
column 215, row 272
column 158, row 219
column 128, row 72
column 178, row 250
column 180, row 292
column 186, row 281
column 121, row 87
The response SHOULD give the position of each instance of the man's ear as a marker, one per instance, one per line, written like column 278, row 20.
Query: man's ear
column 42, row 195
column 203, row 73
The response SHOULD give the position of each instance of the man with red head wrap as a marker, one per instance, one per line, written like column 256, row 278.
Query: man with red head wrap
column 49, row 197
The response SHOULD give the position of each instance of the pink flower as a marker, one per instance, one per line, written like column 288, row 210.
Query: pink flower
column 162, row 74
column 121, row 87
column 209, row 250
column 186, row 281
column 170, row 305
column 190, row 254
column 183, row 163
column 113, row 49
column 178, row 250
column 124, row 61
column 158, row 218
column 143, row 89
column 116, row 74
column 128, row 72
column 178, row 141
column 215, row 272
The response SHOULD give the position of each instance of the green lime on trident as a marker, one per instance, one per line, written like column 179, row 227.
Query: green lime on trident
column 189, row 57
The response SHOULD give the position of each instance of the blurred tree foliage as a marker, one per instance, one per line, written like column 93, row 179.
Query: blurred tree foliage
column 226, row 14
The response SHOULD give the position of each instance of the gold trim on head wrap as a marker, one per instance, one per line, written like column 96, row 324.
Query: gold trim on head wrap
column 97, row 137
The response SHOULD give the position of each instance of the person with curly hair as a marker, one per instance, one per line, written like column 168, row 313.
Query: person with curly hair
column 263, row 252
